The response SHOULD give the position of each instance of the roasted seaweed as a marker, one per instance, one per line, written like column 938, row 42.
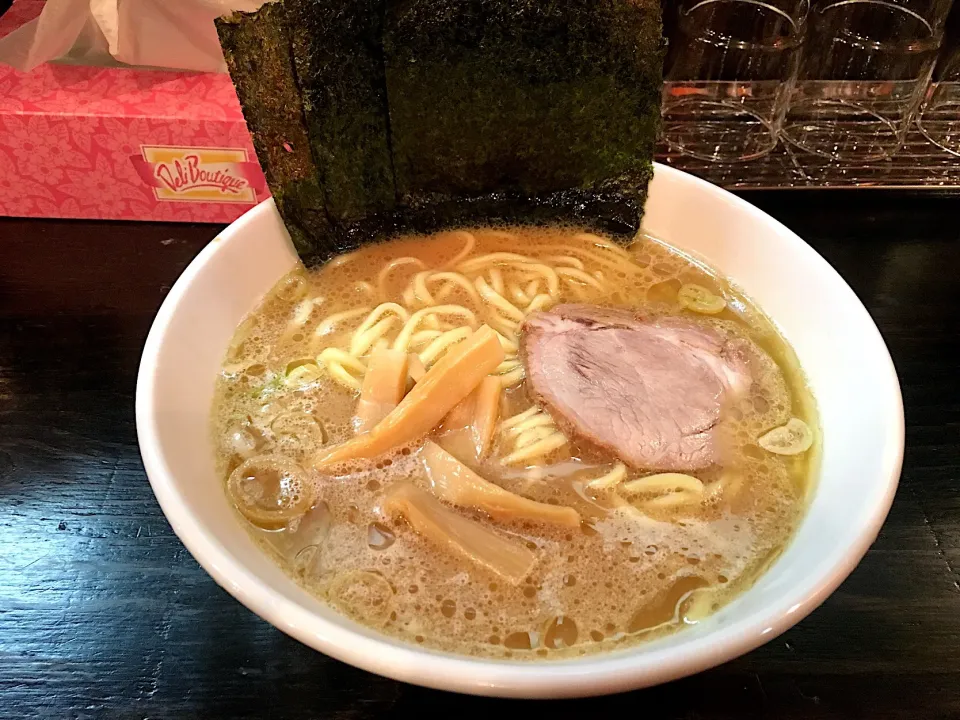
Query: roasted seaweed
column 421, row 114
column 339, row 63
column 552, row 100
column 256, row 47
column 310, row 77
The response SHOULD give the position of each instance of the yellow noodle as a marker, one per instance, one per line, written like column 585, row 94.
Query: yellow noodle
column 539, row 420
column 454, row 280
column 585, row 278
column 512, row 378
column 253, row 353
column 549, row 275
column 528, row 437
column 507, row 366
column 496, row 280
column 664, row 482
column 509, row 346
column 510, row 327
column 403, row 339
column 378, row 312
column 517, row 293
column 444, row 292
column 468, row 246
column 538, row 449
column 420, row 291
column 504, row 327
column 599, row 242
column 364, row 341
column 391, row 266
column 336, row 363
column 672, row 500
column 338, row 373
column 343, row 358
column 497, row 258
column 540, row 302
column 238, row 367
column 519, row 417
column 498, row 301
column 565, row 260
column 424, row 336
column 303, row 310
column 610, row 479
column 327, row 325
column 296, row 367
column 624, row 263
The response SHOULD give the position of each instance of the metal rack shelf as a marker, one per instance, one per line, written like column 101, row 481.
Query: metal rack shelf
column 918, row 165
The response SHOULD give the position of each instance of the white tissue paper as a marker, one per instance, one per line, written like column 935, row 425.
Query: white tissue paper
column 177, row 34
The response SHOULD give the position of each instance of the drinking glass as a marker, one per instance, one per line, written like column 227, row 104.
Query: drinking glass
column 728, row 76
column 863, row 72
column 939, row 117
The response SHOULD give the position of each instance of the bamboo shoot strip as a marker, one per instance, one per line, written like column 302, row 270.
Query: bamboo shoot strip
column 444, row 385
column 476, row 416
column 455, row 483
column 383, row 387
column 459, row 535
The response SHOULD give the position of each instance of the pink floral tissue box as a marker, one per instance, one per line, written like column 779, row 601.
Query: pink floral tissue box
column 122, row 144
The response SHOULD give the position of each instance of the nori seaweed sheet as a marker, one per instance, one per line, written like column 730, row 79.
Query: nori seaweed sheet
column 338, row 54
column 310, row 78
column 425, row 114
column 256, row 48
column 538, row 102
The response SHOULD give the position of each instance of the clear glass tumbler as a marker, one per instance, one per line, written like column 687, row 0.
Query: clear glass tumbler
column 865, row 67
column 728, row 76
column 939, row 117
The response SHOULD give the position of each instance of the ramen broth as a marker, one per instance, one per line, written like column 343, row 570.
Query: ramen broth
column 637, row 561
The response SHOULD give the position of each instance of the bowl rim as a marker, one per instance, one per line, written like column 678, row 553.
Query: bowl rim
column 581, row 677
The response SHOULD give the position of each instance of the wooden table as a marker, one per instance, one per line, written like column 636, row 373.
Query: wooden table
column 103, row 614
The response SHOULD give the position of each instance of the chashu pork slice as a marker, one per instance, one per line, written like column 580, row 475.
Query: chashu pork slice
column 648, row 390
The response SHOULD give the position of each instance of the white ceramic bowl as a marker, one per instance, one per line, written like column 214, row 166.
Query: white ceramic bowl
column 846, row 362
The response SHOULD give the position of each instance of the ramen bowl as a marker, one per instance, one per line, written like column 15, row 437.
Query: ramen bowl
column 846, row 363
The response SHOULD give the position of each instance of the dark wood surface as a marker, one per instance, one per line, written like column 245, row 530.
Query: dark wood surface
column 103, row 614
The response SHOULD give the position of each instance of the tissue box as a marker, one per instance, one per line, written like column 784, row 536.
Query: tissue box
column 114, row 143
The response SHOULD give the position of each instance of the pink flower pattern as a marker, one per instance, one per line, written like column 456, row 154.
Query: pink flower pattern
column 67, row 134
